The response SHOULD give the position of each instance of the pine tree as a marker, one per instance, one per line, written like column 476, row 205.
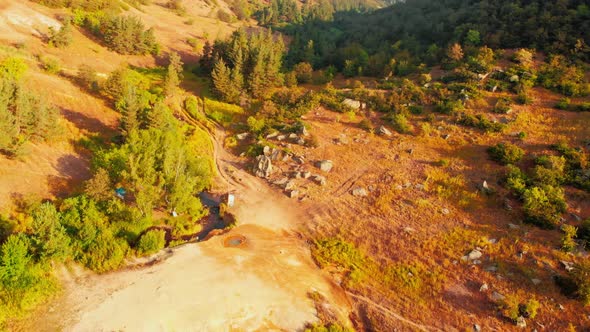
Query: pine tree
column 173, row 74
column 221, row 75
column 130, row 107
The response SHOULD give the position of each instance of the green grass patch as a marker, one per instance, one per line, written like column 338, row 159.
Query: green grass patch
column 222, row 113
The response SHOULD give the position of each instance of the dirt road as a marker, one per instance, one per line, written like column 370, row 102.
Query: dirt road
column 264, row 284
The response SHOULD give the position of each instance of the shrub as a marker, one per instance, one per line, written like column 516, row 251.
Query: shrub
column 224, row 16
column 400, row 123
column 50, row 65
column 105, row 253
column 87, row 78
column 151, row 242
column 567, row 239
column 524, row 98
column 481, row 122
column 449, row 106
column 563, row 104
column 62, row 37
column 516, row 180
column 502, row 106
column 506, row 153
column 549, row 170
column 581, row 277
column 303, row 72
column 366, row 124
column 544, row 205
column 512, row 308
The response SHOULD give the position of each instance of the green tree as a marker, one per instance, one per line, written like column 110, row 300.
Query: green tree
column 49, row 238
column 544, row 205
column 303, row 72
column 173, row 74
column 99, row 187
column 62, row 37
column 151, row 242
column 222, row 84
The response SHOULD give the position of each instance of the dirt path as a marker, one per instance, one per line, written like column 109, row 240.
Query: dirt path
column 262, row 285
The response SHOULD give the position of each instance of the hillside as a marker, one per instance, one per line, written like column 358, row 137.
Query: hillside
column 294, row 166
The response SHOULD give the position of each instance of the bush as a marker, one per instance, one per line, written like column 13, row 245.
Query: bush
column 366, row 124
column 481, row 122
column 88, row 78
column 549, row 170
column 563, row 104
column 544, row 205
column 449, row 106
column 151, row 242
column 581, row 277
column 524, row 98
column 224, row 16
column 400, row 123
column 50, row 65
column 502, row 106
column 516, row 180
column 568, row 242
column 303, row 72
column 61, row 38
column 506, row 153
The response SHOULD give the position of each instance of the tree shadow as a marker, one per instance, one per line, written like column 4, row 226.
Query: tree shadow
column 72, row 171
column 82, row 121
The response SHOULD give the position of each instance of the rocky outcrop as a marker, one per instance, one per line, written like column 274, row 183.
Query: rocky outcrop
column 263, row 166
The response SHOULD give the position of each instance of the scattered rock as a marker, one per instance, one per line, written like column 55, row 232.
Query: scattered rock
column 569, row 266
column 320, row 180
column 290, row 185
column 485, row 188
column 560, row 307
column 281, row 182
column 513, row 226
column 476, row 328
column 536, row 281
column 297, row 175
column 577, row 217
column 359, row 192
column 272, row 135
column 521, row 322
column 325, row 165
column 445, row 211
column 474, row 254
column 419, row 186
column 446, row 137
column 299, row 159
column 263, row 167
column 293, row 194
column 497, row 297
column 242, row 136
column 384, row 131
column 492, row 241
column 354, row 104
column 410, row 151
column 409, row 230
column 491, row 268
column 266, row 150
column 484, row 287
column 300, row 141
column 306, row 175
column 398, row 187
column 281, row 138
column 407, row 185
column 476, row 262
column 293, row 136
column 304, row 131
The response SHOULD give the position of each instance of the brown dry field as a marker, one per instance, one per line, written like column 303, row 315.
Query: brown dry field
column 410, row 225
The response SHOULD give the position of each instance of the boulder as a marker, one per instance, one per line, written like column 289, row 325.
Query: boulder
column 354, row 104
column 293, row 136
column 384, row 131
column 306, row 175
column 300, row 141
column 321, row 180
column 325, row 165
column 521, row 322
column 281, row 182
column 290, row 185
column 497, row 297
column 484, row 287
column 359, row 192
column 263, row 166
column 272, row 135
column 304, row 131
column 266, row 150
column 242, row 136
column 474, row 254
column 281, row 137
column 293, row 194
